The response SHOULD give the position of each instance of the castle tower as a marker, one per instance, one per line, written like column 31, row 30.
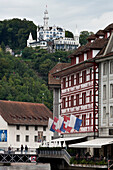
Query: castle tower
column 76, row 37
column 46, row 18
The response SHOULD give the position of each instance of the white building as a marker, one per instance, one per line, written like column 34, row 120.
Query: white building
column 23, row 123
column 55, row 34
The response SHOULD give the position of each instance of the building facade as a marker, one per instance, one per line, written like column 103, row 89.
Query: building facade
column 86, row 88
column 53, row 34
column 24, row 123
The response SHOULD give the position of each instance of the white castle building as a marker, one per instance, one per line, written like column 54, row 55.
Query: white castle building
column 54, row 36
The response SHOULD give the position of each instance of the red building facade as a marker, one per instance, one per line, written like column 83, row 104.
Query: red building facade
column 79, row 84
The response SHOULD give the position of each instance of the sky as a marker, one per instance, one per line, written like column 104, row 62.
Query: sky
column 87, row 15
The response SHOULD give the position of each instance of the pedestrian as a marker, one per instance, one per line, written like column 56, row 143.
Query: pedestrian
column 22, row 149
column 26, row 149
column 9, row 150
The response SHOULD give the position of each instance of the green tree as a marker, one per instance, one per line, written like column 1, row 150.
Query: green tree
column 83, row 37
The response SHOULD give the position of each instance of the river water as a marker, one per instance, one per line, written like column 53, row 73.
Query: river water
column 23, row 166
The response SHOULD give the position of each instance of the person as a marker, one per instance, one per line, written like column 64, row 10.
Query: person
column 9, row 150
column 3, row 136
column 26, row 149
column 22, row 149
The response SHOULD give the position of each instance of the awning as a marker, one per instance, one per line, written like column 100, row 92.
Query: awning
column 68, row 139
column 95, row 143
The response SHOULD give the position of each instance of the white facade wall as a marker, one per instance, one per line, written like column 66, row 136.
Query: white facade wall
column 12, row 132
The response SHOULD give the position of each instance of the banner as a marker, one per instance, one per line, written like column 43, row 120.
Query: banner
column 3, row 135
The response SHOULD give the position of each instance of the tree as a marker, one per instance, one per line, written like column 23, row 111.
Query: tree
column 83, row 37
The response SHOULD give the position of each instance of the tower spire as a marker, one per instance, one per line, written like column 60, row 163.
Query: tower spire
column 46, row 18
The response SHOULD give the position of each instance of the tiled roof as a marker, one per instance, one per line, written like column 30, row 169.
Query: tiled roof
column 24, row 113
column 96, row 44
column 109, row 27
column 100, row 32
column 58, row 67
column 91, row 37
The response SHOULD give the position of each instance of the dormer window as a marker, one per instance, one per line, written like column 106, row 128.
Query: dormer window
column 77, row 60
column 108, row 34
column 85, row 56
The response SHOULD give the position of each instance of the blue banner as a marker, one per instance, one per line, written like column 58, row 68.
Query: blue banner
column 3, row 135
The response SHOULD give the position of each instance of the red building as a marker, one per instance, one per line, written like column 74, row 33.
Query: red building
column 79, row 84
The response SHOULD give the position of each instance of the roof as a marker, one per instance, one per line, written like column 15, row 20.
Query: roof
column 96, row 44
column 100, row 33
column 109, row 27
column 24, row 113
column 58, row 67
column 95, row 143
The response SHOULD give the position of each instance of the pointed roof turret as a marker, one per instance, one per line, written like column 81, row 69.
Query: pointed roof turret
column 30, row 37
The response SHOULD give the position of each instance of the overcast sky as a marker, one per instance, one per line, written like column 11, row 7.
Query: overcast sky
column 90, row 15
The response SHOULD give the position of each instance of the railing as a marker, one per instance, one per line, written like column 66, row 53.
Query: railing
column 56, row 154
column 13, row 150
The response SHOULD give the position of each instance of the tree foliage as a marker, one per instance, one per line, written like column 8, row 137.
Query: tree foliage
column 15, row 32
column 18, row 82
column 83, row 37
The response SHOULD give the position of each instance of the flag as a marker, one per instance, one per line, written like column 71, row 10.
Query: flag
column 66, row 124
column 55, row 125
column 61, row 122
column 75, row 122
column 50, row 123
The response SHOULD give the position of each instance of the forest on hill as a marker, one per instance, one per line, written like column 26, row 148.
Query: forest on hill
column 25, row 78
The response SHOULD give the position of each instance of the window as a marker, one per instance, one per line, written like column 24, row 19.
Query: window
column 111, row 111
column 90, row 97
column 63, row 103
column 104, row 92
column 64, row 83
column 18, row 138
column 77, row 100
column 90, row 119
column 83, row 98
column 68, row 102
column 84, row 76
column 83, row 120
column 44, row 138
column 72, row 101
column 18, row 127
column 72, row 80
column 77, row 79
column 104, row 112
column 44, row 128
column 27, row 127
column 36, row 127
column 111, row 90
column 35, row 138
column 104, row 68
column 68, row 81
column 27, row 138
column 111, row 67
column 90, row 73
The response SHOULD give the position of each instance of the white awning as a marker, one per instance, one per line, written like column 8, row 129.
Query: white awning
column 68, row 139
column 95, row 143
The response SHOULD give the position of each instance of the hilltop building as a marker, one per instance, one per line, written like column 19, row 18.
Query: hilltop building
column 55, row 35
column 84, row 88
column 23, row 123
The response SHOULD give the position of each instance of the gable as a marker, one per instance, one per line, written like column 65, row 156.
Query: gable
column 109, row 47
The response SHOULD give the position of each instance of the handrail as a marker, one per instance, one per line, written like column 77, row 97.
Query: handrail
column 63, row 153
